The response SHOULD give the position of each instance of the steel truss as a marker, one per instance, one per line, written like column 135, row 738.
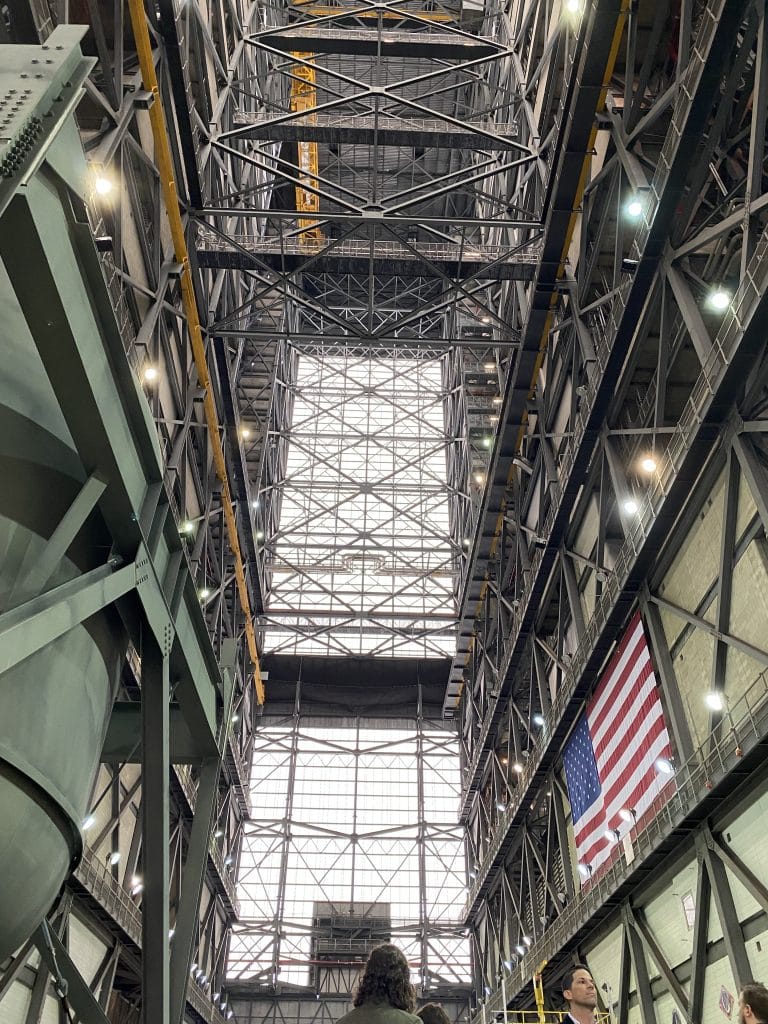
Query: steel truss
column 353, row 841
column 426, row 221
column 174, row 843
column 573, row 532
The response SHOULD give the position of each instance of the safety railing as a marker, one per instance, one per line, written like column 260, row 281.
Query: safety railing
column 95, row 876
column 383, row 122
column 702, row 392
column 744, row 724
column 750, row 290
column 468, row 252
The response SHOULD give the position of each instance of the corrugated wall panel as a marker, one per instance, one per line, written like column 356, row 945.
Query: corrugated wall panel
column 667, row 919
column 14, row 1005
column 85, row 948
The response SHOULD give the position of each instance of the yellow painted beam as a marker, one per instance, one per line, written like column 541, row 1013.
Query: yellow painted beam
column 171, row 202
column 304, row 100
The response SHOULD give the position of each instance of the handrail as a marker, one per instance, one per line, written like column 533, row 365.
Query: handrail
column 171, row 202
column 746, row 725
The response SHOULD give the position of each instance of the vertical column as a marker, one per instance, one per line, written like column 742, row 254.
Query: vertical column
column 155, row 966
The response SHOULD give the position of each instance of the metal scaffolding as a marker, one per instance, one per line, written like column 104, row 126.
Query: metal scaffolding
column 480, row 374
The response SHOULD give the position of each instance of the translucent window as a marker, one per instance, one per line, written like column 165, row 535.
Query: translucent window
column 350, row 832
column 362, row 562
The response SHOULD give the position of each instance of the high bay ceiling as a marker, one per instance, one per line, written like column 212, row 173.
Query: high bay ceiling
column 363, row 248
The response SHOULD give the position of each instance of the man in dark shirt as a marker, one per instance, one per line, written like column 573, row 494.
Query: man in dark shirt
column 580, row 994
column 753, row 1004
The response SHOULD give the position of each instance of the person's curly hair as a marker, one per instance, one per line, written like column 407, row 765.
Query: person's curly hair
column 386, row 979
column 433, row 1013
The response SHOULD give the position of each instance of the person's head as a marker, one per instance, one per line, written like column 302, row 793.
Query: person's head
column 579, row 989
column 386, row 979
column 753, row 1004
column 431, row 1013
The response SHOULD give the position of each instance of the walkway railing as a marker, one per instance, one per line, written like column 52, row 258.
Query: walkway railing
column 743, row 726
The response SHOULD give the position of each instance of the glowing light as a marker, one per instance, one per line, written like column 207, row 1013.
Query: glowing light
column 585, row 870
column 719, row 299
column 487, row 441
column 114, row 858
column 528, row 940
column 501, row 806
column 245, row 433
column 259, row 535
column 489, row 367
column 89, row 822
column 610, row 835
column 479, row 478
column 572, row 6
column 634, row 208
column 714, row 701
column 648, row 465
column 538, row 720
column 630, row 506
column 517, row 767
column 186, row 527
column 664, row 766
column 102, row 184
column 627, row 814
column 150, row 374
column 521, row 950
column 205, row 594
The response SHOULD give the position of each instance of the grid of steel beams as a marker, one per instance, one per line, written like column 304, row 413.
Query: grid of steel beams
column 356, row 817
column 611, row 441
column 474, row 174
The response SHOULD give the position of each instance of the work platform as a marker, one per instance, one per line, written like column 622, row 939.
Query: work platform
column 363, row 256
column 328, row 37
column 378, row 129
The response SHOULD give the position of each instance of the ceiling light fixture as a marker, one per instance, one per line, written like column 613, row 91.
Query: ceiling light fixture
column 719, row 299
column 714, row 701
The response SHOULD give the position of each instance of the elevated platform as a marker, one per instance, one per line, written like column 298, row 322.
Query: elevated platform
column 329, row 37
column 370, row 129
column 360, row 256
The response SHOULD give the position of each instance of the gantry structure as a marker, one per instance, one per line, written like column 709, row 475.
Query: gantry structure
column 430, row 336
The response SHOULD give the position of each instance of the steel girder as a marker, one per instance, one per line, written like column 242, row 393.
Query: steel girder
column 209, row 795
column 410, row 257
column 292, row 862
column 525, row 683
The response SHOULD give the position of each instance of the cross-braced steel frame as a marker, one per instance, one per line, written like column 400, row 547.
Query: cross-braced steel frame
column 428, row 218
column 353, row 842
column 156, row 883
column 632, row 408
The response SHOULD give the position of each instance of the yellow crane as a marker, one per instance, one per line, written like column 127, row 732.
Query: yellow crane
column 304, row 100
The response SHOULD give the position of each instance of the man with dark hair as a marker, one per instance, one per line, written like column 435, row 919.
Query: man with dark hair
column 580, row 993
column 753, row 1004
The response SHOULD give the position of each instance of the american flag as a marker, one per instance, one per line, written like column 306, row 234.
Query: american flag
column 611, row 758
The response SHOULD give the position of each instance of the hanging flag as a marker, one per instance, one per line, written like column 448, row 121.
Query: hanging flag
column 611, row 760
